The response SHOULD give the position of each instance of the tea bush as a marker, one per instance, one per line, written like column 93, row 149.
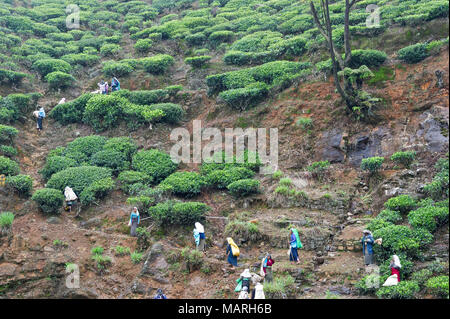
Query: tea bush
column 422, row 276
column 7, row 133
column 178, row 213
column 156, row 164
column 244, row 187
column 143, row 45
column 401, row 203
column 198, row 61
column 125, row 145
column 46, row 66
column 404, row 158
column 403, row 290
column 187, row 184
column 104, row 111
column 390, row 216
column 378, row 223
column 8, row 151
column 438, row 188
column 221, row 178
column 370, row 58
column 128, row 178
column 438, row 286
column 173, row 113
column 112, row 159
column 398, row 239
column 59, row 80
column 87, row 145
column 8, row 167
column 110, row 49
column 49, row 200
column 157, row 64
column 6, row 220
column 118, row 69
column 78, row 178
column 192, row 258
column 428, row 217
column 413, row 53
column 71, row 112
column 96, row 190
column 12, row 77
column 319, row 169
column 23, row 184
column 372, row 164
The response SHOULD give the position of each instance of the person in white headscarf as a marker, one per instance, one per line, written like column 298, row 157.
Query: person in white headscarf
column 259, row 291
column 70, row 196
column 395, row 266
column 134, row 221
column 246, row 276
column 201, row 232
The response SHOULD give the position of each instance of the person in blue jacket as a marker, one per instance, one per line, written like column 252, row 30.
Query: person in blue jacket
column 115, row 84
column 41, row 116
column 367, row 243
column 134, row 221
column 293, row 256
column 232, row 260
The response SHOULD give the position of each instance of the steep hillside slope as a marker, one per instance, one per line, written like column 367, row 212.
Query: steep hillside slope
column 330, row 208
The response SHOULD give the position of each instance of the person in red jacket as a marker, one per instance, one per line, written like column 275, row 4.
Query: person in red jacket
column 395, row 266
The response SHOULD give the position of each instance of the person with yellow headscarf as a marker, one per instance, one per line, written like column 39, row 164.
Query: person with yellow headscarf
column 232, row 251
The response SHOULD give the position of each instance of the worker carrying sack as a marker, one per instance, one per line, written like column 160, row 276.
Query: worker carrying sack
column 391, row 281
column 299, row 243
column 234, row 247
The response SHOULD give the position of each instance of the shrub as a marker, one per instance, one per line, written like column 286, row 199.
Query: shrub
column 372, row 164
column 198, row 61
column 23, row 184
column 368, row 285
column 243, row 229
column 285, row 182
column 178, row 213
column 56, row 164
column 59, row 80
column 121, row 251
column 8, row 151
column 78, row 178
column 221, row 178
column 242, row 98
column 157, row 64
column 422, row 276
column 8, row 167
column 118, row 69
column 196, row 39
column 186, row 184
column 403, row 290
column 7, row 133
column 109, row 49
column 192, row 258
column 173, row 113
column 218, row 37
column 401, row 203
column 428, row 217
column 83, row 59
column 96, row 190
column 277, row 174
column 46, row 66
column 377, row 223
column 438, row 286
column 438, row 188
column 71, row 112
column 143, row 45
column 154, row 163
column 104, row 111
column 125, row 145
column 413, row 53
column 404, row 158
column 6, row 219
column 370, row 58
column 390, row 216
column 87, row 145
column 136, row 257
column 101, row 261
column 318, row 169
column 128, row 178
column 398, row 239
column 304, row 122
column 280, row 287
column 112, row 159
column 244, row 187
column 49, row 200
column 11, row 77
